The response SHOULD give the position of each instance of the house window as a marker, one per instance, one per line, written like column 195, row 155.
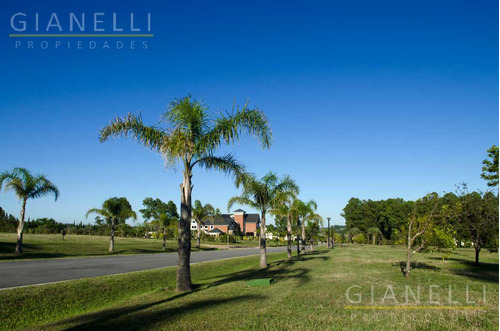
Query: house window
column 211, row 227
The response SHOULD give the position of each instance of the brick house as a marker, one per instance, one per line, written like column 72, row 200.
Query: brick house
column 239, row 221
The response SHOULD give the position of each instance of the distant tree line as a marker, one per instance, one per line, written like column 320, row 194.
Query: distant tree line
column 459, row 219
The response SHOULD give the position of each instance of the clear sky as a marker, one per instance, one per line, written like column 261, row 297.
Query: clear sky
column 366, row 99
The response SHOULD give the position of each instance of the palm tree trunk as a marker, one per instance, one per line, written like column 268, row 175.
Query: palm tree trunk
column 312, row 246
column 112, row 239
column 184, row 240
column 289, row 237
column 373, row 239
column 303, row 238
column 164, row 238
column 263, row 253
column 198, row 236
column 298, row 247
column 20, row 228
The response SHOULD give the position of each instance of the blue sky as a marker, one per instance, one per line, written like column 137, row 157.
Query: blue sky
column 366, row 99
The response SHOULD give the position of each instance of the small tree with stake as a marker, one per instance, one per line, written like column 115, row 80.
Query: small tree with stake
column 424, row 211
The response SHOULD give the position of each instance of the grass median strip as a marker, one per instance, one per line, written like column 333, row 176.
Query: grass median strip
column 311, row 292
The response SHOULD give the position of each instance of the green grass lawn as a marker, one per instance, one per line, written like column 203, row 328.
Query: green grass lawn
column 52, row 246
column 309, row 293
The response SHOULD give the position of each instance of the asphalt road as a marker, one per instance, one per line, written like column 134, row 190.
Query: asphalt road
column 22, row 273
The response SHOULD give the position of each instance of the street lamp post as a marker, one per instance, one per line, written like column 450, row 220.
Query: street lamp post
column 329, row 242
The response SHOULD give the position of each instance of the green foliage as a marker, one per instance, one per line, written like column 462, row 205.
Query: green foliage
column 359, row 238
column 158, row 215
column 476, row 216
column 27, row 186
column 8, row 222
column 337, row 238
column 114, row 210
column 490, row 167
column 265, row 193
column 386, row 215
column 313, row 230
column 203, row 212
column 191, row 137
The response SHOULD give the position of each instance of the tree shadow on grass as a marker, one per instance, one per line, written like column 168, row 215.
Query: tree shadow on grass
column 279, row 271
column 485, row 271
column 416, row 265
column 141, row 317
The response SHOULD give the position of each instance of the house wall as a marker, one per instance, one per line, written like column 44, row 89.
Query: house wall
column 251, row 227
column 238, row 218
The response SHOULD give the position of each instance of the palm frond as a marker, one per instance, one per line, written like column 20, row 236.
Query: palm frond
column 226, row 163
column 241, row 200
column 97, row 211
column 43, row 186
column 188, row 114
column 231, row 127
column 131, row 125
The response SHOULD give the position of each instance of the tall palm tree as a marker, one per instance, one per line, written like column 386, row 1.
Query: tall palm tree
column 306, row 212
column 26, row 186
column 263, row 195
column 115, row 211
column 191, row 138
column 286, row 208
column 201, row 212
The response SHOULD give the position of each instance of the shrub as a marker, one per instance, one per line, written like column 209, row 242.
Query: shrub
column 359, row 238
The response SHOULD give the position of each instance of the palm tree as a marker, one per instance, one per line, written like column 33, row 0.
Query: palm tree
column 374, row 232
column 115, row 211
column 26, row 186
column 191, row 138
column 286, row 208
column 201, row 212
column 313, row 230
column 306, row 212
column 263, row 195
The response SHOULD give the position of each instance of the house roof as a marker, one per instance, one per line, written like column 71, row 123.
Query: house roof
column 216, row 231
column 223, row 219
column 227, row 219
column 239, row 211
column 252, row 218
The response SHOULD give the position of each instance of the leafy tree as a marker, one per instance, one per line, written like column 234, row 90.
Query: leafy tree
column 201, row 212
column 160, row 214
column 26, row 186
column 191, row 138
column 423, row 214
column 477, row 214
column 281, row 226
column 337, row 238
column 115, row 211
column 490, row 167
column 263, row 194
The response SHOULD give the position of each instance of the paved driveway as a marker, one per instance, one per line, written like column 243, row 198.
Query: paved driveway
column 22, row 273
